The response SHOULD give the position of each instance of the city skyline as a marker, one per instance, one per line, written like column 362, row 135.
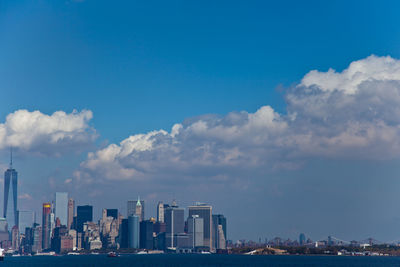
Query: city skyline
column 283, row 117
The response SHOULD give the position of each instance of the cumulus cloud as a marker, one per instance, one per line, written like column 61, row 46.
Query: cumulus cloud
column 46, row 134
column 350, row 114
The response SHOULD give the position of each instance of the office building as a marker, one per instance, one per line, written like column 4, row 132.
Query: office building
column 160, row 227
column 112, row 213
column 37, row 239
column 123, row 234
column 302, row 239
column 132, row 208
column 4, row 235
column 46, row 225
column 15, row 238
column 84, row 214
column 10, row 195
column 204, row 211
column 175, row 224
column 160, row 212
column 71, row 212
column 61, row 207
column 196, row 231
column 218, row 220
column 146, row 234
column 133, row 231
column 26, row 218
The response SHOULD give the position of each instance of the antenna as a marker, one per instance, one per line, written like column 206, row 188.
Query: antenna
column 10, row 157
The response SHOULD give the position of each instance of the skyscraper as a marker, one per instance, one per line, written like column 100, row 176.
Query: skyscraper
column 10, row 197
column 131, row 208
column 175, row 224
column 195, row 231
column 61, row 207
column 217, row 221
column 71, row 212
column 146, row 234
column 84, row 214
column 46, row 225
column 204, row 211
column 160, row 212
column 112, row 213
column 133, row 231
column 302, row 239
column 138, row 210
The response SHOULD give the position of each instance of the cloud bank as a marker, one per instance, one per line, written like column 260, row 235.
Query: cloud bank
column 350, row 114
column 46, row 134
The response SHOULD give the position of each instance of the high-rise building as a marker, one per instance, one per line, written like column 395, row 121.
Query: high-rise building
column 146, row 234
column 175, row 224
column 123, row 234
column 302, row 239
column 132, row 207
column 46, row 225
column 61, row 207
column 84, row 214
column 195, row 231
column 221, row 244
column 71, row 212
column 160, row 212
column 11, row 196
column 37, row 239
column 4, row 235
column 138, row 210
column 26, row 218
column 204, row 211
column 218, row 220
column 133, row 231
column 15, row 238
column 112, row 213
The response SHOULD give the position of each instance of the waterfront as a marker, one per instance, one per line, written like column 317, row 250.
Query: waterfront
column 192, row 260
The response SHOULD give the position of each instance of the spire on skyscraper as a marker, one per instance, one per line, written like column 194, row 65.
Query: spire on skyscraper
column 10, row 157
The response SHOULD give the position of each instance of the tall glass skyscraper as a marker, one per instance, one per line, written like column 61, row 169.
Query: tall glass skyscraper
column 84, row 214
column 46, row 225
column 10, row 196
column 61, row 207
column 204, row 211
column 133, row 231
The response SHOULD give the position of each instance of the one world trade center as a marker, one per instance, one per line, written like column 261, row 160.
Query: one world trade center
column 10, row 196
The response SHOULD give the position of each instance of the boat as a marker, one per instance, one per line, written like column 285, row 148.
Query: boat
column 1, row 254
column 112, row 254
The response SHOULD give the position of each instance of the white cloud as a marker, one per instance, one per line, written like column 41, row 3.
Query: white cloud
column 46, row 134
column 350, row 114
column 349, row 80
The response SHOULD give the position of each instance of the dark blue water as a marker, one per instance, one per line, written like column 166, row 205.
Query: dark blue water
column 169, row 260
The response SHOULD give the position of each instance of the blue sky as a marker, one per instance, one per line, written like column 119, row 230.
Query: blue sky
column 140, row 67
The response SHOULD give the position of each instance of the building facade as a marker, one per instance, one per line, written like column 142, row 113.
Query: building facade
column 71, row 212
column 175, row 224
column 204, row 211
column 219, row 220
column 160, row 212
column 146, row 234
column 133, row 231
column 196, row 231
column 11, row 196
column 46, row 225
column 84, row 214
